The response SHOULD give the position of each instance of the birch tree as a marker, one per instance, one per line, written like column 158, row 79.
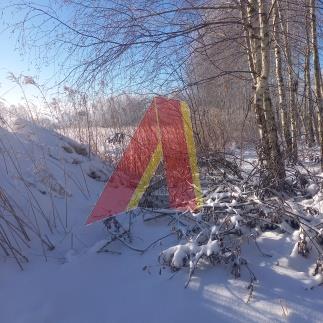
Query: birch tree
column 283, row 107
column 309, row 117
column 253, row 46
column 317, row 72
column 256, row 19
column 292, row 83
column 262, row 90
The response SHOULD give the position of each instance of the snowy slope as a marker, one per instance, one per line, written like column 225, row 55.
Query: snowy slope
column 50, row 180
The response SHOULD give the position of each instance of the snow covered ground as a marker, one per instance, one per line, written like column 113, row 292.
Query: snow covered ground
column 53, row 184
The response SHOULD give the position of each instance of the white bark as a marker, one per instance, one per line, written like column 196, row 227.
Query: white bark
column 317, row 72
column 283, row 107
column 251, row 27
column 309, row 118
column 292, row 84
column 262, row 96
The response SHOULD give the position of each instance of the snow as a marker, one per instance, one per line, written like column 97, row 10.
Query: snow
column 74, row 283
column 312, row 189
column 111, row 288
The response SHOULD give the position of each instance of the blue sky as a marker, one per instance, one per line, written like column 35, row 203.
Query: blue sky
column 13, row 60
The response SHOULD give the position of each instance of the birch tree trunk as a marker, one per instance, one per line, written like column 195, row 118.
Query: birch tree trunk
column 251, row 29
column 262, row 96
column 309, row 118
column 317, row 73
column 283, row 107
column 313, row 121
column 292, row 84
